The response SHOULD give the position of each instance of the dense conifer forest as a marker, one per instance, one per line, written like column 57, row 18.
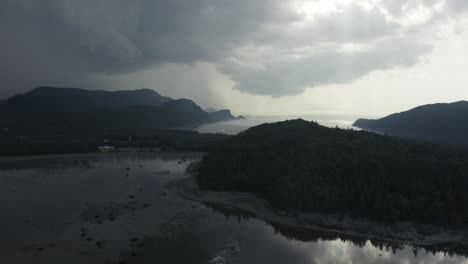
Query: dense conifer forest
column 303, row 166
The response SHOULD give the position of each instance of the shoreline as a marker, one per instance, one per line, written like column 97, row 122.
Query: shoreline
column 254, row 205
column 9, row 161
column 419, row 235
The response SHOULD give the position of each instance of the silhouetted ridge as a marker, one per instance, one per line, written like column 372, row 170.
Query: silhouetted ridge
column 220, row 115
column 304, row 166
column 67, row 109
column 47, row 99
column 443, row 123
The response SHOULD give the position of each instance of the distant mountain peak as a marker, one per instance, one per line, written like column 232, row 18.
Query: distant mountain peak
column 123, row 109
column 49, row 90
column 440, row 122
column 64, row 90
column 211, row 109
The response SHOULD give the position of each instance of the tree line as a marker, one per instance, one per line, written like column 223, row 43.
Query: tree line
column 303, row 166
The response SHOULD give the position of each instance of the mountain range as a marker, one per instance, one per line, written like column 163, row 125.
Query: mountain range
column 63, row 109
column 441, row 123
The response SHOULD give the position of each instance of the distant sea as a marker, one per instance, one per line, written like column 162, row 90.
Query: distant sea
column 236, row 126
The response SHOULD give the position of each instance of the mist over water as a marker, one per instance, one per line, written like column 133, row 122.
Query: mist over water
column 235, row 126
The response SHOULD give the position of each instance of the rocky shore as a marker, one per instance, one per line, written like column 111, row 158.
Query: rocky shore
column 252, row 204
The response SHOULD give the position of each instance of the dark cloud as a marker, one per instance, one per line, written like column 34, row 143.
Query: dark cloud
column 265, row 46
column 107, row 36
column 329, row 66
column 120, row 36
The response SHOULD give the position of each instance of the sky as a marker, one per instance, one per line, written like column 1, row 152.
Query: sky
column 262, row 57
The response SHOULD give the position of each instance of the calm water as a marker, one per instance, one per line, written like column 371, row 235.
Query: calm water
column 236, row 126
column 116, row 209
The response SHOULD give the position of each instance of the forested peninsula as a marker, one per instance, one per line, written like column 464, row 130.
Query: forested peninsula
column 300, row 165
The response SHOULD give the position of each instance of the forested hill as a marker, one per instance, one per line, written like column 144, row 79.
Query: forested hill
column 61, row 110
column 443, row 123
column 81, row 100
column 301, row 165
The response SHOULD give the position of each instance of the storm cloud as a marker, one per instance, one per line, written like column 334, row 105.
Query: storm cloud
column 266, row 47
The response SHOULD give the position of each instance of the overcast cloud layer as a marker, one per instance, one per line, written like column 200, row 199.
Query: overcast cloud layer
column 266, row 47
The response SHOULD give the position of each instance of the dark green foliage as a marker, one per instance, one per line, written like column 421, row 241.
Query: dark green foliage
column 186, row 140
column 67, row 120
column 302, row 165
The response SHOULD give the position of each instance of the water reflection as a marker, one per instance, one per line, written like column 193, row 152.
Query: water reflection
column 116, row 209
column 342, row 248
column 235, row 126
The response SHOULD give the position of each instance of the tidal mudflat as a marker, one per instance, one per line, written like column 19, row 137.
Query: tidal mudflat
column 116, row 208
